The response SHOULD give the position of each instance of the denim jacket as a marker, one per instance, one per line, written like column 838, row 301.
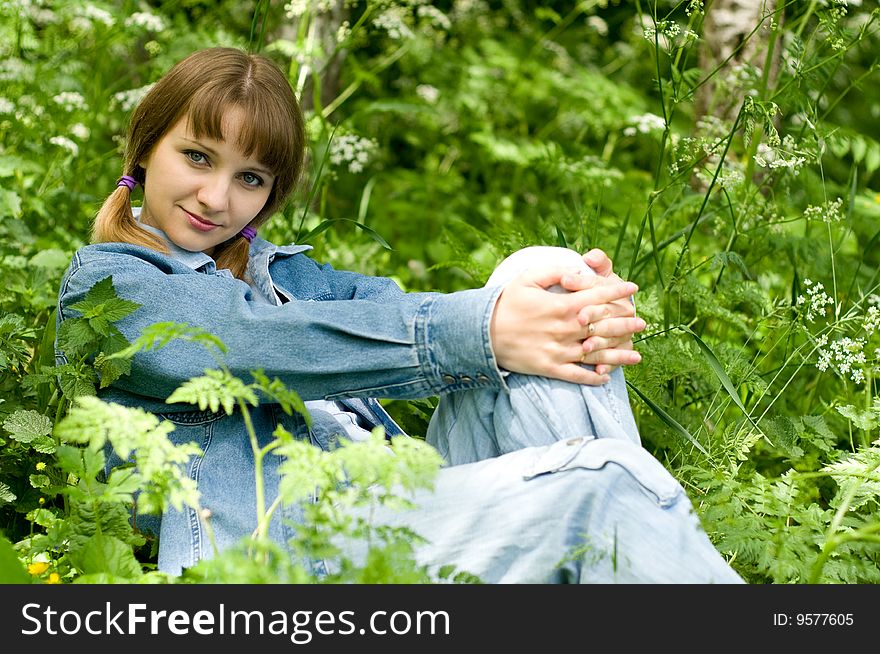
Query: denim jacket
column 337, row 335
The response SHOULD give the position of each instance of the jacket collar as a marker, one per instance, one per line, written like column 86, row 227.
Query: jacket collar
column 261, row 251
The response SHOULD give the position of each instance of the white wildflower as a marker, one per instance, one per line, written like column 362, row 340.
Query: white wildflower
column 80, row 131
column 828, row 212
column 783, row 155
column 393, row 21
column 43, row 16
column 670, row 28
column 80, row 24
column 96, row 14
column 17, row 69
column 343, row 32
column 66, row 143
column 352, row 150
column 150, row 22
column 6, row 107
column 70, row 100
column 428, row 93
column 730, row 178
column 872, row 319
column 463, row 7
column 128, row 100
column 296, row 8
column 17, row 7
column 694, row 6
column 644, row 124
column 847, row 356
column 815, row 300
column 435, row 16
column 598, row 24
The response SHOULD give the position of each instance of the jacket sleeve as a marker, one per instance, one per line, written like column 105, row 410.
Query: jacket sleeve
column 387, row 344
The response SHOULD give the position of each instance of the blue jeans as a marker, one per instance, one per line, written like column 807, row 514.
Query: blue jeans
column 549, row 483
column 582, row 503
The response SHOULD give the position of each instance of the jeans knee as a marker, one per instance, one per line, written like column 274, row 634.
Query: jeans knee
column 608, row 471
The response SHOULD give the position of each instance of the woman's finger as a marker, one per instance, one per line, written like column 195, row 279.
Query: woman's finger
column 611, row 328
column 593, row 313
column 598, row 261
column 577, row 373
column 600, row 294
column 621, row 356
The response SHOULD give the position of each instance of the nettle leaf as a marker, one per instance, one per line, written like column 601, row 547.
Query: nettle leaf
column 215, row 389
column 76, row 336
column 69, row 459
column 51, row 258
column 11, row 569
column 78, row 383
column 11, row 323
column 10, row 204
column 6, row 494
column 113, row 309
column 83, row 463
column 44, row 445
column 107, row 554
column 39, row 481
column 101, row 292
column 122, row 485
column 100, row 307
column 25, row 425
column 111, row 369
column 782, row 432
column 866, row 420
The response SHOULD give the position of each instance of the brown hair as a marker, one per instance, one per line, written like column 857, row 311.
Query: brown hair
column 202, row 87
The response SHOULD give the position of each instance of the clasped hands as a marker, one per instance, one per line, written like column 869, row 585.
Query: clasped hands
column 537, row 332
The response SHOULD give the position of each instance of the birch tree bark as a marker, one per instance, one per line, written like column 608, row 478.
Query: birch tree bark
column 736, row 38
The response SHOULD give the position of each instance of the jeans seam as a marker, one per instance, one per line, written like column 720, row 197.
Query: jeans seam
column 194, row 473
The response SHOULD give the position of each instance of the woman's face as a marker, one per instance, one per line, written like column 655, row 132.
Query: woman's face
column 201, row 192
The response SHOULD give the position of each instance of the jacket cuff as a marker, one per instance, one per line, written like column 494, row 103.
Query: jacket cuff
column 455, row 347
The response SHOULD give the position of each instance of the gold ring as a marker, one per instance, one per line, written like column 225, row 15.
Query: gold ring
column 584, row 357
column 591, row 329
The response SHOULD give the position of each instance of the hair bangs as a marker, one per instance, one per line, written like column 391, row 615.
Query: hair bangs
column 267, row 132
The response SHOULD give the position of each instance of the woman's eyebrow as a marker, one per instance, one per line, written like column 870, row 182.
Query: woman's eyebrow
column 258, row 168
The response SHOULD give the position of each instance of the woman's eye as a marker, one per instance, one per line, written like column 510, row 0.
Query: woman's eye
column 252, row 180
column 196, row 157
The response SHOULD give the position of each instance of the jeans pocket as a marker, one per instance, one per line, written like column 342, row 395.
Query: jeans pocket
column 599, row 453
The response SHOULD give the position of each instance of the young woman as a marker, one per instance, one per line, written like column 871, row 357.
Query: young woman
column 544, row 458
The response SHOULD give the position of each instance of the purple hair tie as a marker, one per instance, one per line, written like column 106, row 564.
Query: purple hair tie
column 248, row 233
column 127, row 180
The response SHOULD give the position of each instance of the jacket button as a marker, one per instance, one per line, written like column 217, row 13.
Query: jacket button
column 466, row 380
column 482, row 378
column 448, row 379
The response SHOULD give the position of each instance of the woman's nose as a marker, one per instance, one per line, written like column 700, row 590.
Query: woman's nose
column 214, row 193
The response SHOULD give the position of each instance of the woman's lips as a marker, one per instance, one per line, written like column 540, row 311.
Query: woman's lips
column 199, row 223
